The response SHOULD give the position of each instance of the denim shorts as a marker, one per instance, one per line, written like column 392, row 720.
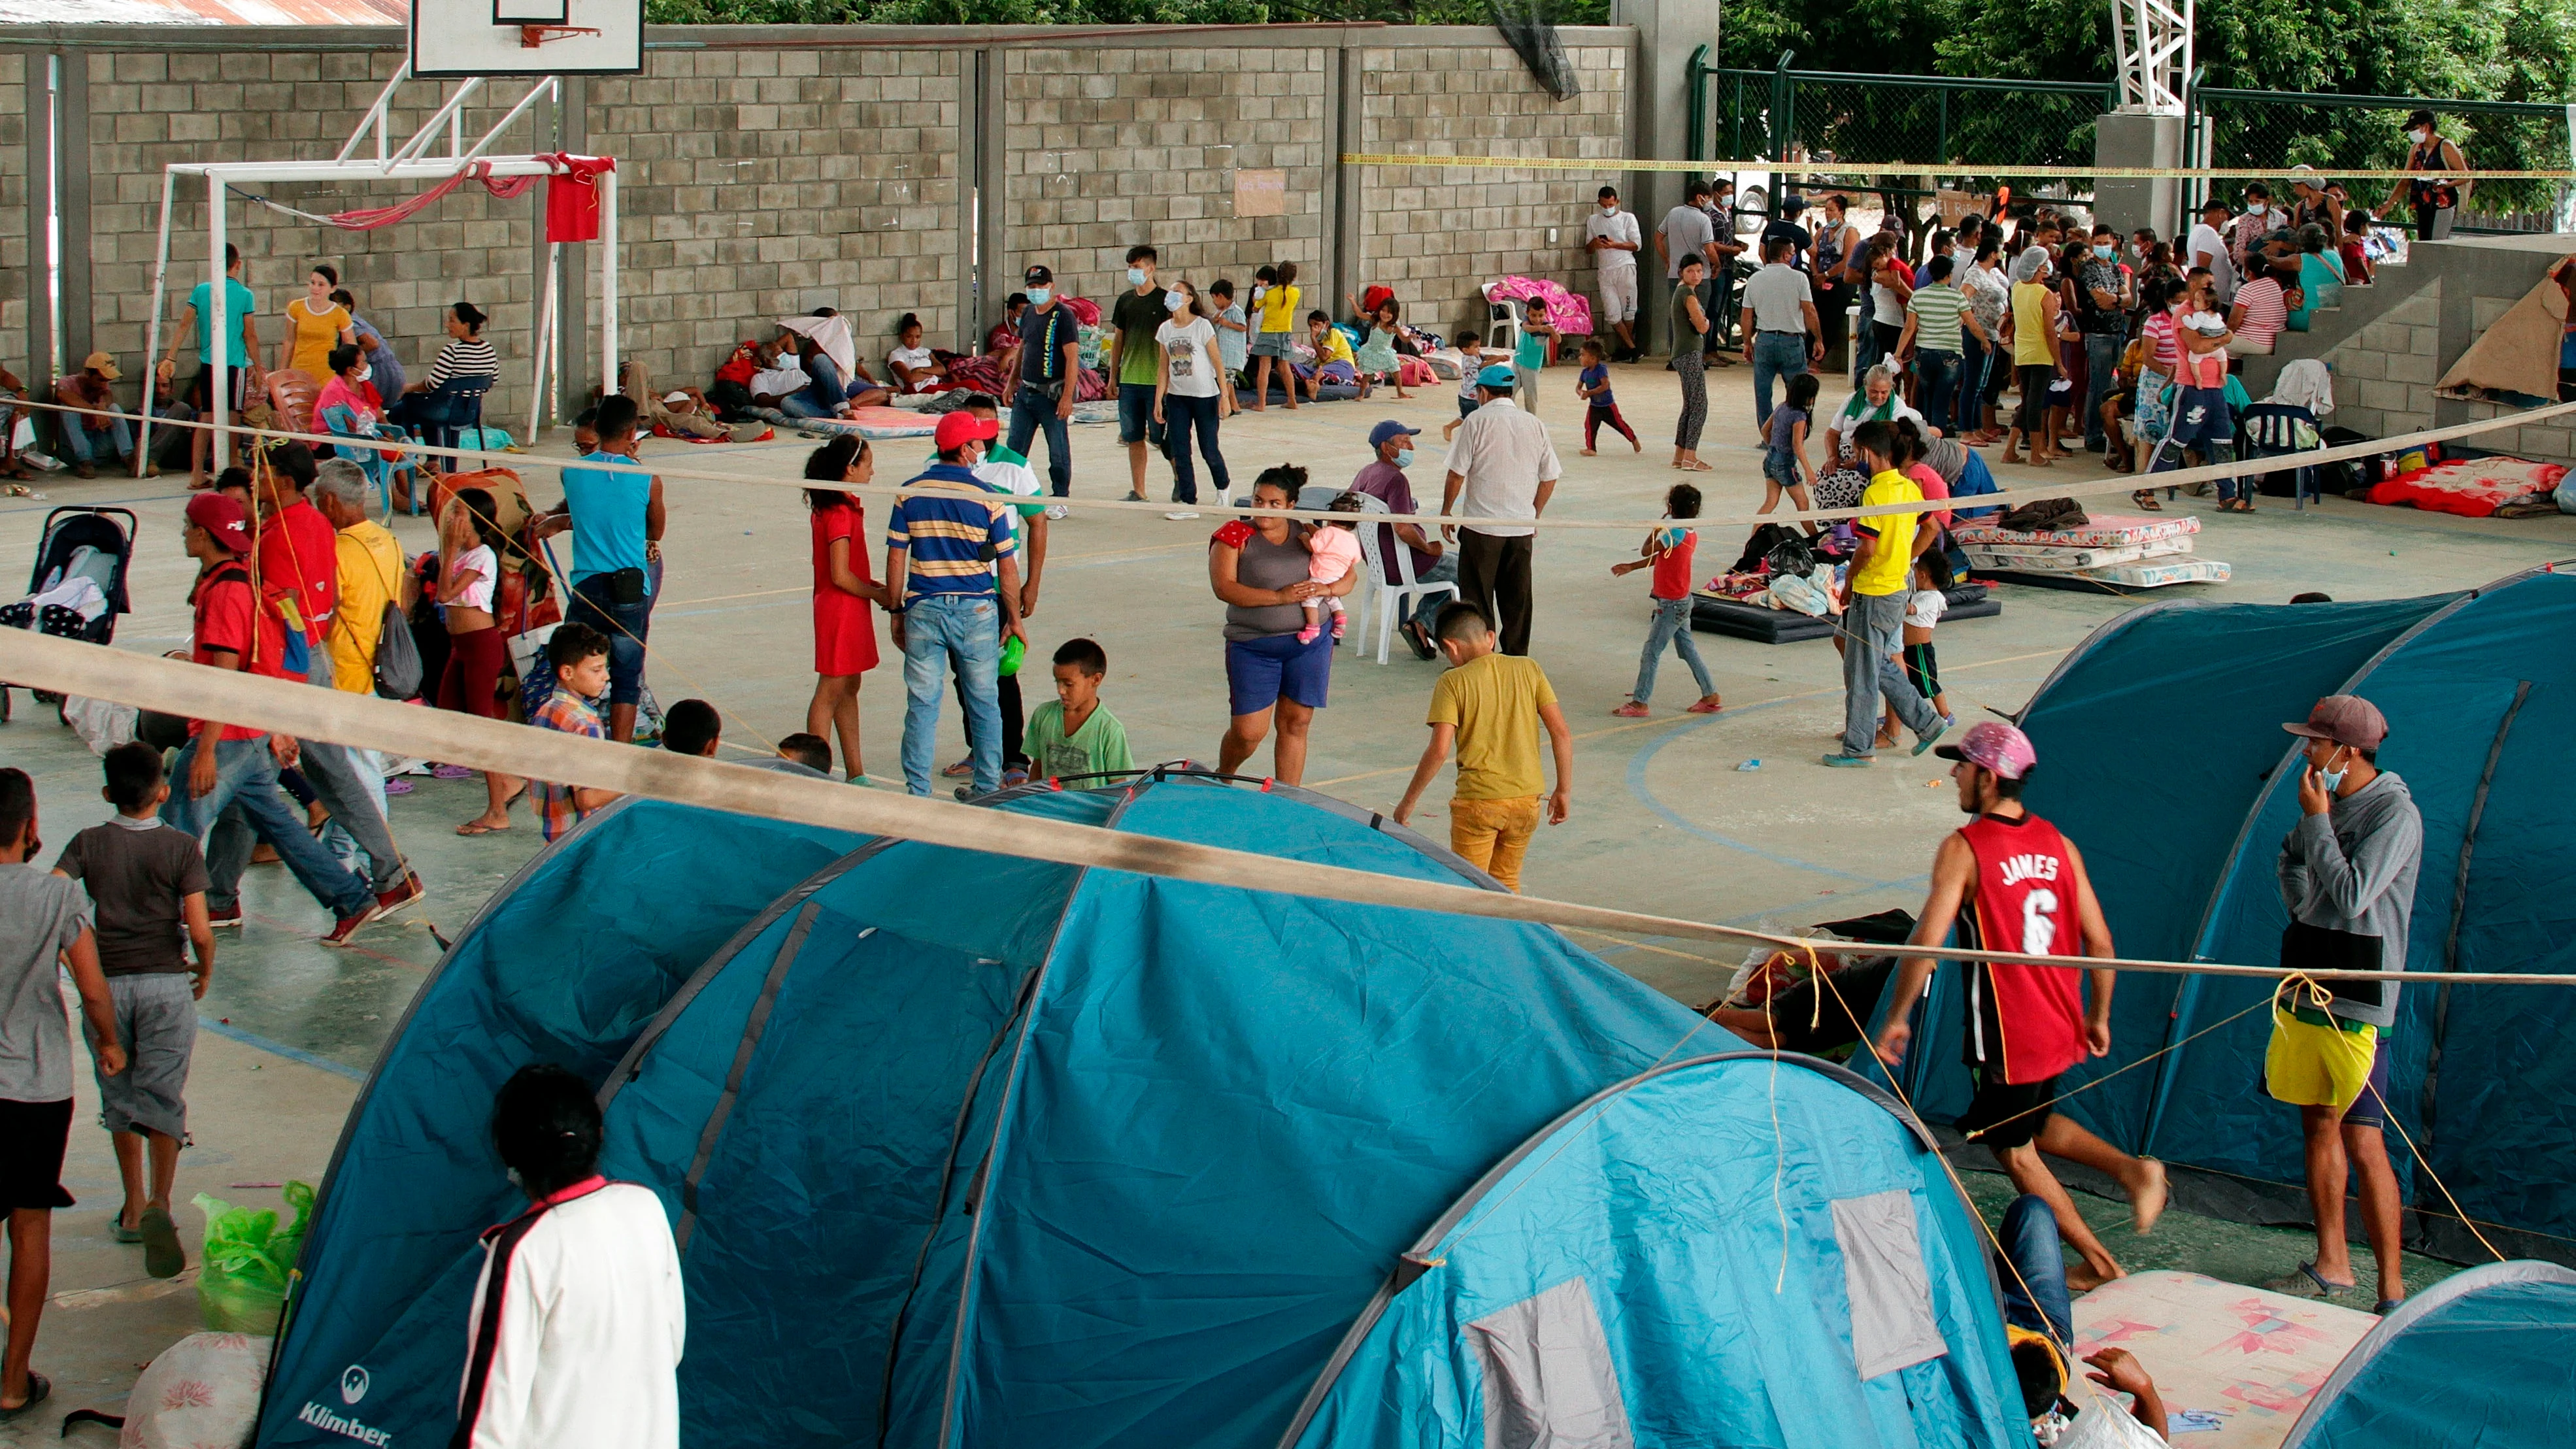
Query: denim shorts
column 1258, row 672
column 1782, row 468
column 1270, row 344
column 1135, row 411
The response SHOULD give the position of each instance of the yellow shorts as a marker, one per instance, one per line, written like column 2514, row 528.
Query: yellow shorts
column 2311, row 1063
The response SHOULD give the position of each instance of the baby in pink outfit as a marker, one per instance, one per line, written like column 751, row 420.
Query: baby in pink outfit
column 1336, row 551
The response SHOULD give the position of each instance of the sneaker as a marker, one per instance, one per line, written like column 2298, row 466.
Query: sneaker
column 1341, row 625
column 1310, row 634
column 224, row 920
column 347, row 926
column 405, row 891
column 1057, row 510
column 1842, row 761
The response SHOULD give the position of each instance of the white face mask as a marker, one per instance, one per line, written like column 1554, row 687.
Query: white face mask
column 2419, row 136
column 1177, row 303
column 365, row 372
column 1609, row 208
column 2256, row 209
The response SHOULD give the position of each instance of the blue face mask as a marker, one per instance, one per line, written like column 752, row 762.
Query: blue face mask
column 2101, row 251
column 2333, row 779
column 1040, row 296
column 1404, row 458
column 1135, row 276
column 1178, row 303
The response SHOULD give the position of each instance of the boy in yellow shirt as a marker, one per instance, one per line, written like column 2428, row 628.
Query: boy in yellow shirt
column 1490, row 706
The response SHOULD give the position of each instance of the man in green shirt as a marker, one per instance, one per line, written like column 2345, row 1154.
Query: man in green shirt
column 1135, row 359
column 1935, row 317
column 1073, row 735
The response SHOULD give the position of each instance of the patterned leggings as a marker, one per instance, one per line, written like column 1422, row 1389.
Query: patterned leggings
column 1599, row 413
column 1694, row 403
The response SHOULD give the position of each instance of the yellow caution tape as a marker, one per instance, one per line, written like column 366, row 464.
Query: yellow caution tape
column 1590, row 164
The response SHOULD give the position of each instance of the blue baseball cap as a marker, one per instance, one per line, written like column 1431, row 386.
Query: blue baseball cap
column 1389, row 429
column 1498, row 375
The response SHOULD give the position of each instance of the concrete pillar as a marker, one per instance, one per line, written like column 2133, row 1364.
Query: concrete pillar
column 1344, row 257
column 1659, row 107
column 997, row 266
column 576, row 351
column 71, row 145
column 39, row 174
column 2132, row 139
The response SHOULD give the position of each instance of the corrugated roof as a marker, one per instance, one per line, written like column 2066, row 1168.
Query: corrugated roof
column 205, row 12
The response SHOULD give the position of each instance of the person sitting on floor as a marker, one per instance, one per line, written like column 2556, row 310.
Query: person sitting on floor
column 916, row 368
column 101, row 432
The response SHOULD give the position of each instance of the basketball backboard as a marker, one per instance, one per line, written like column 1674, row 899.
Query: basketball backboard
column 526, row 37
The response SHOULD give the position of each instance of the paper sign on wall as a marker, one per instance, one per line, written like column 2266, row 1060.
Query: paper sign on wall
column 1261, row 193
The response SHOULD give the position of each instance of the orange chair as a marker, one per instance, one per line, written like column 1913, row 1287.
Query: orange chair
column 291, row 394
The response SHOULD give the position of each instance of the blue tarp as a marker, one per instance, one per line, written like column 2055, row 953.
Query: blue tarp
column 1695, row 1206
column 2478, row 1361
column 2162, row 756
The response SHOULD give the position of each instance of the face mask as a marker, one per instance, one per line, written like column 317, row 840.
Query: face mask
column 1404, row 458
column 2104, row 252
column 1040, row 296
column 2418, row 137
column 365, row 372
column 1135, row 276
column 2257, row 209
column 1609, row 208
column 2333, row 779
column 1177, row 302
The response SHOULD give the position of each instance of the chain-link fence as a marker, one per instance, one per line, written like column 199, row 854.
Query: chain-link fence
column 2267, row 133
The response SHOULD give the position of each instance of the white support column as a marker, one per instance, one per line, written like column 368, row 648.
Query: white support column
column 152, row 328
column 544, row 340
column 608, row 379
column 218, row 351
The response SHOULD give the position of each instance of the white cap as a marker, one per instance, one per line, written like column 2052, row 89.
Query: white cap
column 674, row 399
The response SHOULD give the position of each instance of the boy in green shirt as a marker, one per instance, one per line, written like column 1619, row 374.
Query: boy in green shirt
column 1073, row 735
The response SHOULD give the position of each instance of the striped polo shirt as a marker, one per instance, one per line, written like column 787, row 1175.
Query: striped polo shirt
column 952, row 537
column 1936, row 310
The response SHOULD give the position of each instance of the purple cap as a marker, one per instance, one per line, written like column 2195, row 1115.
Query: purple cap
column 1996, row 746
column 2344, row 719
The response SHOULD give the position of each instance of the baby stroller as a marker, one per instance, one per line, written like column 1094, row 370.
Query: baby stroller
column 78, row 586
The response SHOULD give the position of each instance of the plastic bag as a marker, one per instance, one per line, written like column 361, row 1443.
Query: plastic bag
column 101, row 724
column 241, row 1279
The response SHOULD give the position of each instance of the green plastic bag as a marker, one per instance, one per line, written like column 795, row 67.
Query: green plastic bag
column 242, row 1274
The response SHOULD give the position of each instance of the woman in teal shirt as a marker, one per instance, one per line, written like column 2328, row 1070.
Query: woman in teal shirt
column 2320, row 275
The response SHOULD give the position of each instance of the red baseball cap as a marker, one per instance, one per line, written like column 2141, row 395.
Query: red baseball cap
column 956, row 430
column 2344, row 719
column 1996, row 746
column 224, row 517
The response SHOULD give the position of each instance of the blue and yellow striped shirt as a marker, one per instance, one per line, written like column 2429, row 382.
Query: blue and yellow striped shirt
column 952, row 545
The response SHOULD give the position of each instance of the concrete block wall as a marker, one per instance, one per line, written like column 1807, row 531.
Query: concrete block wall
column 755, row 184
column 14, row 256
column 1435, row 234
column 2384, row 373
column 1111, row 147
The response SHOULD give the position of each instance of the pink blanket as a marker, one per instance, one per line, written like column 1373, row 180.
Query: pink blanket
column 1569, row 312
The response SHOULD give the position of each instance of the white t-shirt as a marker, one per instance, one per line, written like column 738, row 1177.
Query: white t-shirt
column 2222, row 267
column 779, row 382
column 1618, row 227
column 1926, row 607
column 478, row 594
column 1467, row 371
column 593, row 1320
column 919, row 360
column 1191, row 353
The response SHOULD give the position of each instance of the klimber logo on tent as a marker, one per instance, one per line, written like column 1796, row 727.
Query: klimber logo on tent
column 348, row 1428
column 353, row 1383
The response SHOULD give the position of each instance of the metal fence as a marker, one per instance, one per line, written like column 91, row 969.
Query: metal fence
column 1971, row 133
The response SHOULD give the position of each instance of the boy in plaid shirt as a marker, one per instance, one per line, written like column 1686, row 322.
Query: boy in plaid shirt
column 578, row 655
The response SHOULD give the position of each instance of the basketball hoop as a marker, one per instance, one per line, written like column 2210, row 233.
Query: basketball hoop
column 532, row 36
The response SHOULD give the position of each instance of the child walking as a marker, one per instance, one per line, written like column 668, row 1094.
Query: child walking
column 1785, row 468
column 1377, row 357
column 578, row 655
column 1531, row 355
column 1471, row 350
column 1592, row 385
column 1334, row 550
column 1490, row 706
column 1275, row 296
column 1923, row 609
column 1668, row 552
column 147, row 887
column 1072, row 734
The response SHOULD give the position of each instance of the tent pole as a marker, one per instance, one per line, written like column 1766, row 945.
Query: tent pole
column 152, row 327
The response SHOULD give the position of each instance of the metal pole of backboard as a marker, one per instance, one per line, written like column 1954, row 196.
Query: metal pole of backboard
column 218, row 293
column 608, row 379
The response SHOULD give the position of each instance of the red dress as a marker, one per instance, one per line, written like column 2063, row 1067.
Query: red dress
column 845, row 627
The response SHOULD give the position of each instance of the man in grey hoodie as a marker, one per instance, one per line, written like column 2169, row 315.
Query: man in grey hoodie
column 2348, row 874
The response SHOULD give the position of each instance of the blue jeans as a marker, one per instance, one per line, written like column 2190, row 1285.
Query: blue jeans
column 1938, row 376
column 2101, row 362
column 964, row 631
column 803, row 405
column 1183, row 416
column 827, row 386
column 87, row 447
column 1775, row 355
column 624, row 625
column 1033, row 410
column 246, row 795
column 2035, row 1297
column 1671, row 627
column 345, row 779
column 1443, row 570
column 1136, row 415
column 1873, row 633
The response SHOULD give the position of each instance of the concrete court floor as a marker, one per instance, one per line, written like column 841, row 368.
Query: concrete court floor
column 1664, row 820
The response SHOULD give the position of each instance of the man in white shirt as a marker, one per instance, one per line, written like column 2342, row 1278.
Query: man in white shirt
column 1501, row 467
column 579, row 1345
column 2206, row 247
column 780, row 382
column 1613, row 239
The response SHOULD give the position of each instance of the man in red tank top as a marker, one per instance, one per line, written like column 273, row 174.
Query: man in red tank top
column 2007, row 881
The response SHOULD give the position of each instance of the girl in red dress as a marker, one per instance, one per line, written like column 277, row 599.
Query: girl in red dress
column 845, row 628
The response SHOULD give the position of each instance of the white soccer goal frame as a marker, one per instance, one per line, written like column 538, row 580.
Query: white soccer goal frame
column 408, row 162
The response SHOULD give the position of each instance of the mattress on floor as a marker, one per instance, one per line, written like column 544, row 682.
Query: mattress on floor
column 2120, row 578
column 2238, row 1360
column 873, row 423
column 1766, row 625
column 2058, row 559
column 2470, row 487
column 2107, row 530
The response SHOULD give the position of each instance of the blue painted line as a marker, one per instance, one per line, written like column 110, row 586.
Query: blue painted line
column 281, row 1049
column 1638, row 762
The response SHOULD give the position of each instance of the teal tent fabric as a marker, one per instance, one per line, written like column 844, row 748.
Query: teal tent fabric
column 2478, row 1361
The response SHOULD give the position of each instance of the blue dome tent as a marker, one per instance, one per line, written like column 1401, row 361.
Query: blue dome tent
column 2479, row 1359
column 1740, row 1249
column 2162, row 757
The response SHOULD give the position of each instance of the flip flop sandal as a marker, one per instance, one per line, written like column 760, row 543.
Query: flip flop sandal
column 2307, row 1283
column 117, row 1229
column 38, row 1386
column 451, row 772
column 2387, row 1306
column 2145, row 501
column 162, row 1256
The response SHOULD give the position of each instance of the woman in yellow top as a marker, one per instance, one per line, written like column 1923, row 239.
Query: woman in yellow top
column 1275, row 294
column 2030, row 330
column 314, row 325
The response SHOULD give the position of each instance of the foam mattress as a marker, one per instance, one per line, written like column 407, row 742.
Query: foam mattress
column 2143, row 574
column 1765, row 625
column 2065, row 559
column 2107, row 530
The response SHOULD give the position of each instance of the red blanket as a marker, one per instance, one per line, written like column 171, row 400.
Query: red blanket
column 2470, row 487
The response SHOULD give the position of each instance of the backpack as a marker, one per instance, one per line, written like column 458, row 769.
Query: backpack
column 397, row 665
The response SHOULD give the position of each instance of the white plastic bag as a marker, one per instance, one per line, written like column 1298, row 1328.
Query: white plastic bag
column 101, row 724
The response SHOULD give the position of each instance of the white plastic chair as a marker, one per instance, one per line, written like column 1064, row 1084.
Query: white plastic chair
column 1390, row 603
